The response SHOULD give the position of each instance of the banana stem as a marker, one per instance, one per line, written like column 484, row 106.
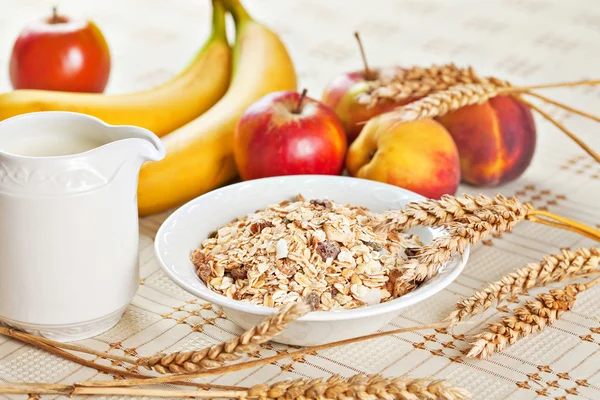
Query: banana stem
column 238, row 12
column 551, row 219
column 218, row 20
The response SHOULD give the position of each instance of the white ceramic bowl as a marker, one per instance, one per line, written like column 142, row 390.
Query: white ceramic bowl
column 183, row 231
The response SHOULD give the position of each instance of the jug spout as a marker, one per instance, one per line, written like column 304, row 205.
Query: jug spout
column 148, row 146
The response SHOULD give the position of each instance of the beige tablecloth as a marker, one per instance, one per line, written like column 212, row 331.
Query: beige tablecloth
column 525, row 41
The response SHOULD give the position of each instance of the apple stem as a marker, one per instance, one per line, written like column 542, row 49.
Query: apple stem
column 368, row 72
column 54, row 15
column 300, row 100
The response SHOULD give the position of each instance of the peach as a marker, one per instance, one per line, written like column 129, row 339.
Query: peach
column 495, row 140
column 419, row 156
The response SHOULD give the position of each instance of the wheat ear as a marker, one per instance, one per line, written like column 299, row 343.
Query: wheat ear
column 435, row 212
column 533, row 317
column 443, row 102
column 360, row 387
column 226, row 352
column 500, row 217
column 417, row 82
column 553, row 268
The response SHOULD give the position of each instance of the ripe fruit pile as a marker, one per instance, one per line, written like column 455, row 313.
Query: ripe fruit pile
column 236, row 112
column 484, row 145
column 426, row 129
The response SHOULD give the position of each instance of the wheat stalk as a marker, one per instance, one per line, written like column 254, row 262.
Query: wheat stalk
column 259, row 362
column 58, row 348
column 417, row 82
column 553, row 268
column 336, row 387
column 564, row 129
column 226, row 352
column 563, row 106
column 533, row 317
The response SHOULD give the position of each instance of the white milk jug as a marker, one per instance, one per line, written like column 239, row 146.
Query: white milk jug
column 69, row 221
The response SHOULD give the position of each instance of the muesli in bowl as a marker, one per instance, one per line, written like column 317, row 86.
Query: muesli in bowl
column 319, row 250
column 200, row 219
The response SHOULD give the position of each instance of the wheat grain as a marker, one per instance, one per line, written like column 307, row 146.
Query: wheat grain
column 226, row 352
column 553, row 268
column 533, row 317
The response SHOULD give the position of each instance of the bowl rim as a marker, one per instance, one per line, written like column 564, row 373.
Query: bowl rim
column 313, row 316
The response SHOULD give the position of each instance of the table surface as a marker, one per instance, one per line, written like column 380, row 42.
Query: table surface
column 524, row 41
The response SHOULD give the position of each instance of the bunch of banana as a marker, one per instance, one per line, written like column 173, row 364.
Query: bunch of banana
column 161, row 109
column 200, row 154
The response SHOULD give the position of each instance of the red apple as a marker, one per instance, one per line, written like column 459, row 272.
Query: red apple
column 59, row 53
column 285, row 133
column 342, row 92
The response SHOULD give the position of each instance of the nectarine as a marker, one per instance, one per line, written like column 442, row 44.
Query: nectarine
column 495, row 140
column 419, row 156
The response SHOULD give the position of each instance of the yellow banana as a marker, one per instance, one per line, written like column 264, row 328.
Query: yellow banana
column 200, row 154
column 161, row 109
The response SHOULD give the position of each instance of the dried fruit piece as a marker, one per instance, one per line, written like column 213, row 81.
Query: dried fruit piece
column 287, row 268
column 322, row 203
column 327, row 249
column 374, row 246
column 257, row 227
column 395, row 285
column 412, row 252
column 204, row 271
column 240, row 272
column 203, row 263
column 313, row 300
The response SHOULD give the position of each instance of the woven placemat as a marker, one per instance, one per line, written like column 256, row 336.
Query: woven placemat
column 524, row 41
